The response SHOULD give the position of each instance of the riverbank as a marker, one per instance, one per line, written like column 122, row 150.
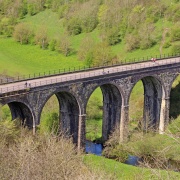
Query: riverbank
column 126, row 172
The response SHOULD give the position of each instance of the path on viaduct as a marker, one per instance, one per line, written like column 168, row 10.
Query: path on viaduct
column 74, row 89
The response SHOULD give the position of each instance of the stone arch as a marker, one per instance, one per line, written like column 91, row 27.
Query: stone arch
column 112, row 102
column 21, row 111
column 154, row 92
column 69, row 113
column 174, row 89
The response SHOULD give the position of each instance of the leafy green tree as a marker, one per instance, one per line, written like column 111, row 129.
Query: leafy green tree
column 85, row 52
column 102, row 54
column 147, row 36
column 132, row 42
column 35, row 6
column 22, row 33
column 73, row 26
column 41, row 37
column 7, row 26
column 64, row 45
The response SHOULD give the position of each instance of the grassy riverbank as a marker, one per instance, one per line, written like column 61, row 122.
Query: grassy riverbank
column 127, row 172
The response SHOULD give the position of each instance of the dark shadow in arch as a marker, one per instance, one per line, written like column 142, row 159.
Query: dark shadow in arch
column 69, row 115
column 112, row 102
column 175, row 102
column 22, row 112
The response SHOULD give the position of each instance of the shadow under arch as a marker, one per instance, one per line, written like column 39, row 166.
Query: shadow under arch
column 21, row 111
column 69, row 114
column 175, row 99
column 153, row 94
column 112, row 102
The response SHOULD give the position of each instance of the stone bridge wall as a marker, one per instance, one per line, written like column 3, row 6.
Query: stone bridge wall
column 116, row 88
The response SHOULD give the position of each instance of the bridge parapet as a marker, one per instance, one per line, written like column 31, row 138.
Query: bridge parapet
column 6, row 79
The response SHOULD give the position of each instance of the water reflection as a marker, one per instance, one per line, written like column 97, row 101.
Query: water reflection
column 94, row 148
column 132, row 160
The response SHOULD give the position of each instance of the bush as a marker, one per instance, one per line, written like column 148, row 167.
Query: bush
column 167, row 44
column 52, row 45
column 113, row 149
column 44, row 157
column 8, row 132
column 175, row 49
column 175, row 34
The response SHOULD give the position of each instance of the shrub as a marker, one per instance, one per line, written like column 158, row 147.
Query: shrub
column 8, row 132
column 167, row 44
column 44, row 157
column 52, row 44
column 175, row 49
column 175, row 34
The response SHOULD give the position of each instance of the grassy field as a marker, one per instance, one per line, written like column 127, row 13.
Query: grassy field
column 20, row 59
column 26, row 59
column 126, row 172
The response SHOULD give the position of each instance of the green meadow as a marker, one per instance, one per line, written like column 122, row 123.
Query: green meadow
column 126, row 172
column 29, row 59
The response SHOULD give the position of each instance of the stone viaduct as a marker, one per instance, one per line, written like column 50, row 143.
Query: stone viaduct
column 74, row 89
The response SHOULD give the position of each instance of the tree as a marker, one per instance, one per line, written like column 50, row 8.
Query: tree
column 6, row 26
column 41, row 37
column 85, row 52
column 22, row 33
column 64, row 45
column 132, row 42
column 102, row 54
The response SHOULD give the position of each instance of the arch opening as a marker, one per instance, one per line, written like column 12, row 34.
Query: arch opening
column 21, row 111
column 175, row 99
column 109, row 109
column 147, row 109
column 153, row 94
column 136, row 105
column 62, row 114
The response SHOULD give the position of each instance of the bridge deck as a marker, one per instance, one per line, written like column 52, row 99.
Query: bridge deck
column 18, row 86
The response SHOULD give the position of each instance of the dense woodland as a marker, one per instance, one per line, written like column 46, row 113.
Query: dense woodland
column 139, row 24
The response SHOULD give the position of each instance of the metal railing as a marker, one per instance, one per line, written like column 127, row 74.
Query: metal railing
column 7, row 89
column 7, row 79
